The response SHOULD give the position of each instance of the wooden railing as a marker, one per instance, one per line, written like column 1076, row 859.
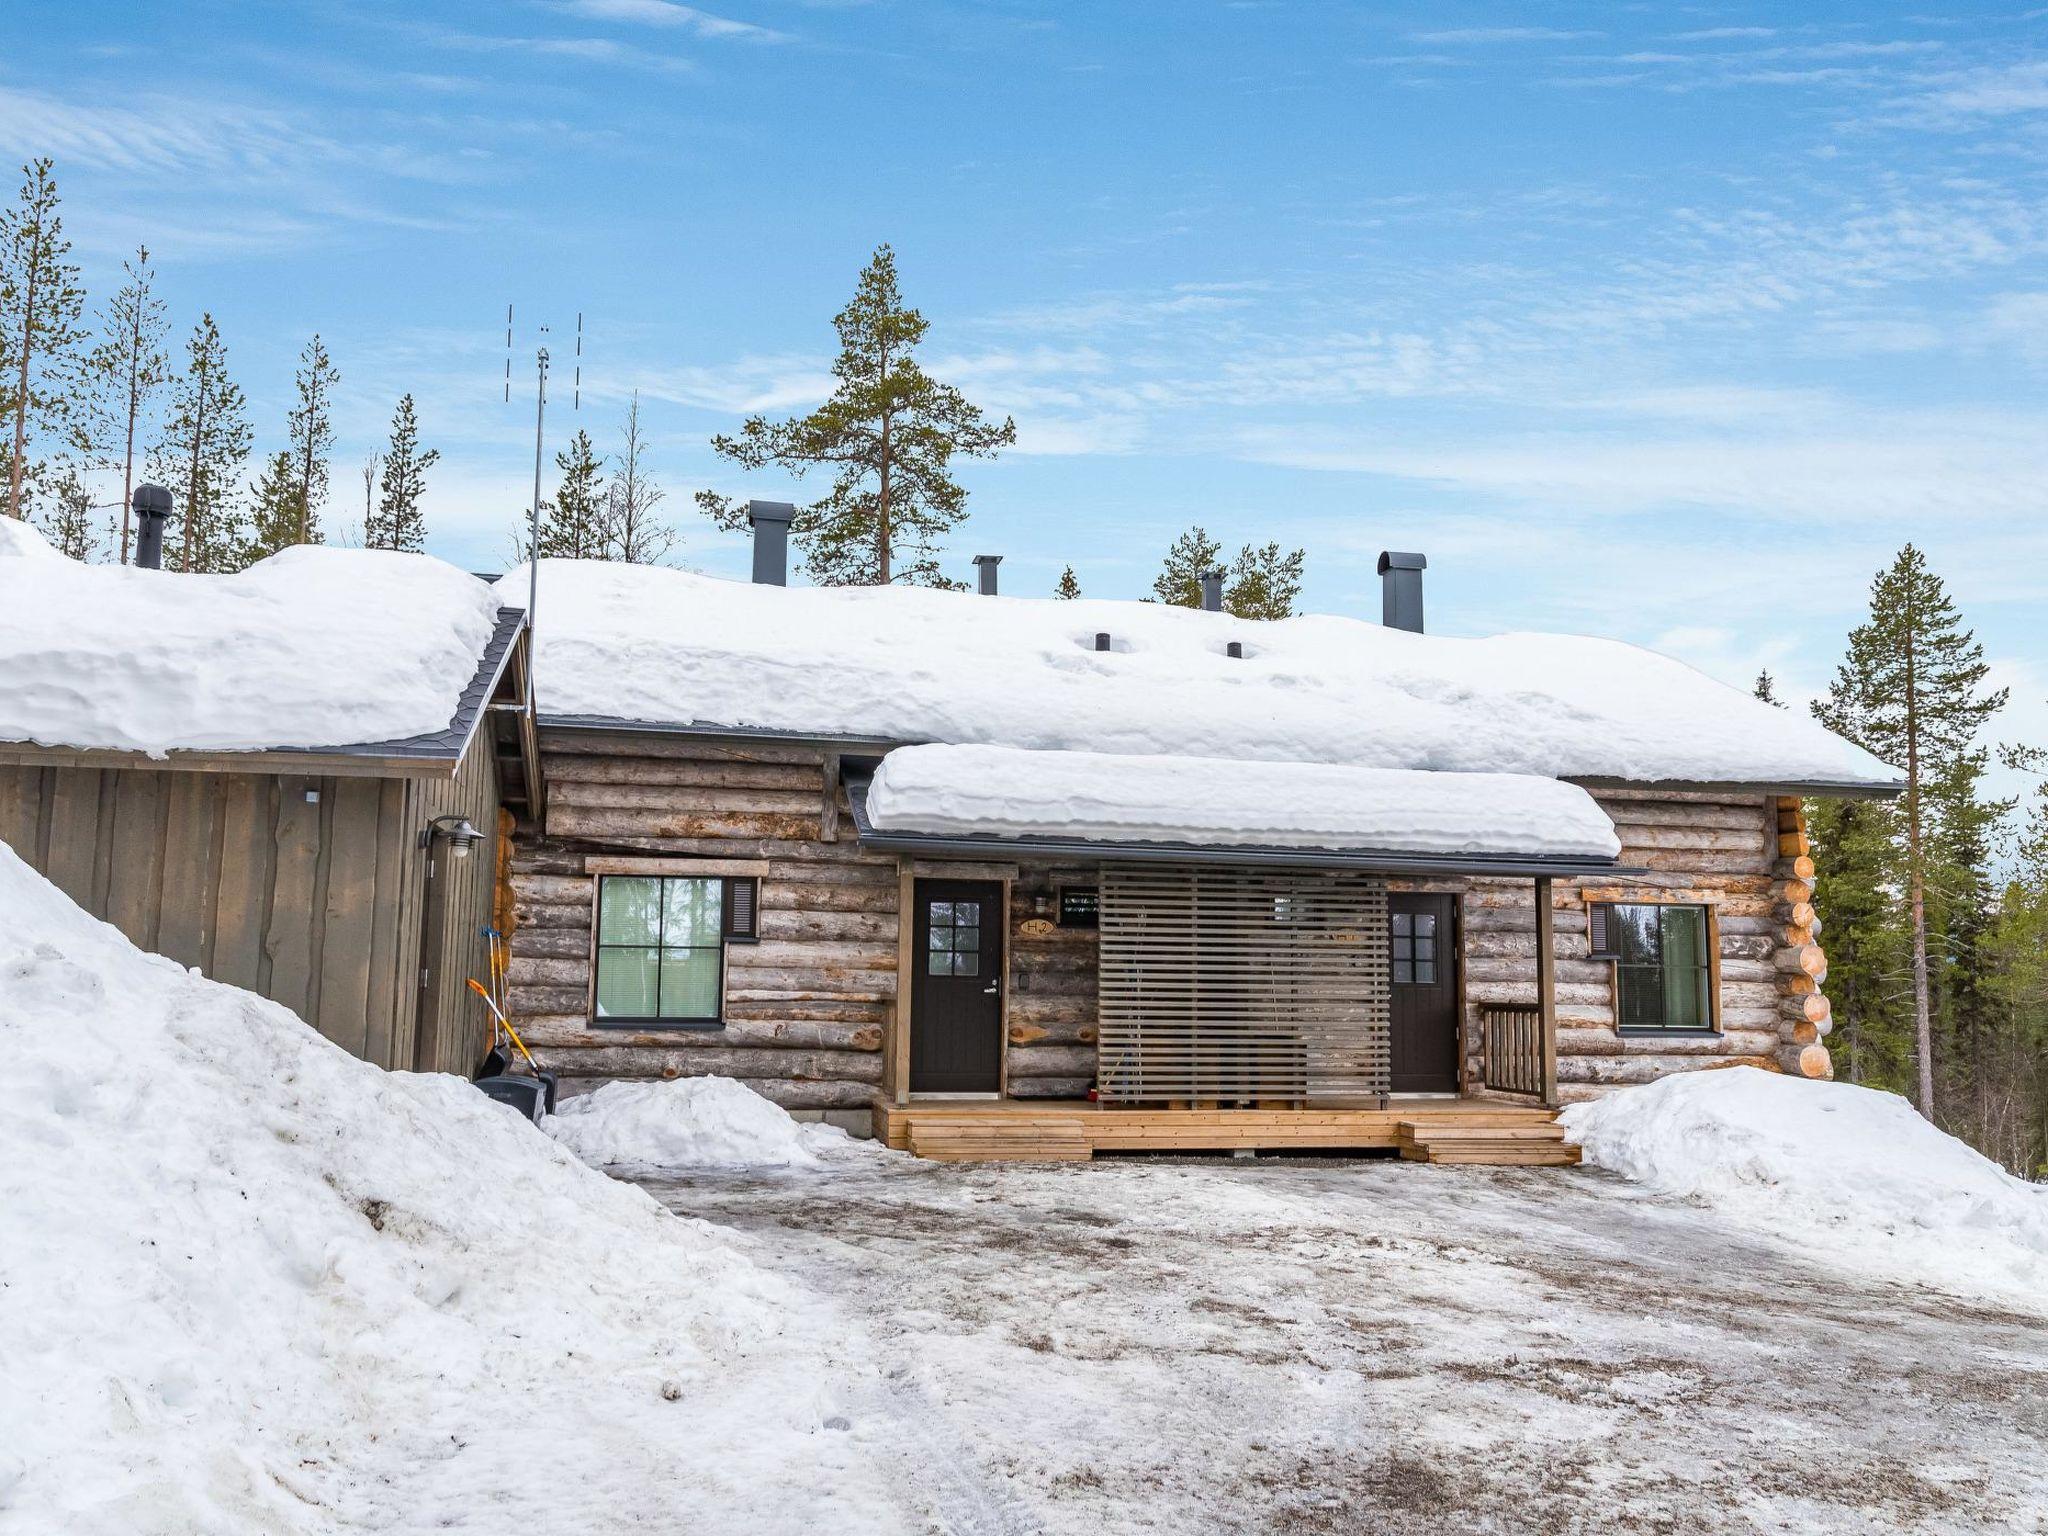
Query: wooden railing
column 1512, row 1054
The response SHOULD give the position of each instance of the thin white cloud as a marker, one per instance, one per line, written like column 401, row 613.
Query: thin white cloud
column 1499, row 35
column 665, row 13
column 1719, row 34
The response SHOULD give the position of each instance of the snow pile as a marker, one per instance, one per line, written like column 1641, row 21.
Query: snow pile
column 907, row 666
column 312, row 647
column 1849, row 1172
column 249, row 1284
column 690, row 1122
column 23, row 539
column 967, row 791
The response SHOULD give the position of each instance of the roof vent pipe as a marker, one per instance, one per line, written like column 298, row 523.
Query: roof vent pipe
column 152, row 504
column 771, row 520
column 1401, row 590
column 1234, row 650
column 985, row 573
column 1212, row 591
column 1102, row 640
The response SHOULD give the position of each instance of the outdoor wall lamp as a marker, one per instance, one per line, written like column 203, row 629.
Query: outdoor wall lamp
column 461, row 835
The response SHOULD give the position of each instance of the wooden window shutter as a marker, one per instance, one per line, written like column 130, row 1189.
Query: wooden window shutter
column 1598, row 925
column 742, row 910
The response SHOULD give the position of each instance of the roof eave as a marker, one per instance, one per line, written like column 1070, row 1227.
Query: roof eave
column 1816, row 789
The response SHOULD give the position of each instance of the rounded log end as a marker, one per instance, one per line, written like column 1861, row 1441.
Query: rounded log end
column 1815, row 1062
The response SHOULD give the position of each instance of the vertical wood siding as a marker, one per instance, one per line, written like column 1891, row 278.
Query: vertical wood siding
column 315, row 904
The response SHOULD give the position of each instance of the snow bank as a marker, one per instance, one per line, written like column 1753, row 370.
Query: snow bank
column 1853, row 1174
column 1008, row 792
column 691, row 1122
column 22, row 539
column 652, row 644
column 312, row 647
column 249, row 1284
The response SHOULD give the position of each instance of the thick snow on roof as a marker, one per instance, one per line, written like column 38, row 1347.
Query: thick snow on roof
column 312, row 647
column 663, row 646
column 973, row 791
column 25, row 540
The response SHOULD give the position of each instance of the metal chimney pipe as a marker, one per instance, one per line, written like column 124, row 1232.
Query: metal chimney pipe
column 1102, row 640
column 1212, row 591
column 1401, row 590
column 152, row 505
column 985, row 573
column 771, row 520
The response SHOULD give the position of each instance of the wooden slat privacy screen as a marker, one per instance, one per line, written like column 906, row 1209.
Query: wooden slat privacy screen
column 1242, row 986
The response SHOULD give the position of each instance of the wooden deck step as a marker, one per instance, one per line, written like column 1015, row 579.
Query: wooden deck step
column 1526, row 1143
column 1042, row 1141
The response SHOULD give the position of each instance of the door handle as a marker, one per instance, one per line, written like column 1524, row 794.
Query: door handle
column 992, row 989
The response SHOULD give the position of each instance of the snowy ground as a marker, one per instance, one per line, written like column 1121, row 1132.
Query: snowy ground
column 1297, row 1346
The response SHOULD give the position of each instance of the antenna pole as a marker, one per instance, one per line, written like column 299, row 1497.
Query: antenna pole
column 540, row 410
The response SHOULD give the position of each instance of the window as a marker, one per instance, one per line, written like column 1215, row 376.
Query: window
column 954, row 948
column 1415, row 956
column 661, row 946
column 1663, row 971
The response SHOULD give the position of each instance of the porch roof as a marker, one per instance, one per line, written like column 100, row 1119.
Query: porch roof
column 997, row 801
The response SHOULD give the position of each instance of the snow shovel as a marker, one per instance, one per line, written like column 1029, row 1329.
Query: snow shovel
column 546, row 1078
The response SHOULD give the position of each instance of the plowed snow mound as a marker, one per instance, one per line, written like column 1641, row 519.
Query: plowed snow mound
column 1855, row 1175
column 250, row 1284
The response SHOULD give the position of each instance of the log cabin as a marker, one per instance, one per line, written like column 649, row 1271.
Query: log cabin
column 980, row 875
column 998, row 877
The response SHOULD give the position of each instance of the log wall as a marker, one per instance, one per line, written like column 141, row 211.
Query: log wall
column 808, row 1007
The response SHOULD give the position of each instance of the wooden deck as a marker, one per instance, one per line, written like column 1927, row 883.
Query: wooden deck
column 1073, row 1131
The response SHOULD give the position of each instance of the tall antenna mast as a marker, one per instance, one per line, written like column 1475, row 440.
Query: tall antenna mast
column 508, row 354
column 540, row 411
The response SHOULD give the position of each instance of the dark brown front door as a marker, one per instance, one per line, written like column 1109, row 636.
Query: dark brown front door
column 956, row 993
column 1425, row 981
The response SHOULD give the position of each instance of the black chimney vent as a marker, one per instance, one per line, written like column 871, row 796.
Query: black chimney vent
column 985, row 573
column 1102, row 640
column 1401, row 590
column 152, row 504
column 771, row 520
column 1234, row 650
column 1212, row 591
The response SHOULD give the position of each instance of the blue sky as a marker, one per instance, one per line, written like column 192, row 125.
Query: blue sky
column 1667, row 322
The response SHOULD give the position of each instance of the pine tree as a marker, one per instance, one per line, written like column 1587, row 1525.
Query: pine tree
column 1263, row 583
column 127, row 369
column 1869, row 966
column 573, row 524
column 400, row 524
column 631, row 532
column 41, row 306
column 1068, row 587
column 1766, row 688
column 889, row 434
column 1192, row 557
column 274, row 509
column 1911, row 692
column 311, row 428
column 205, row 444
column 69, row 524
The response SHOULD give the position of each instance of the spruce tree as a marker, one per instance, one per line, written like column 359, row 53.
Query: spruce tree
column 400, row 524
column 126, row 370
column 1179, row 581
column 1068, row 587
column 631, row 531
column 311, row 429
column 69, row 524
column 1855, row 854
column 41, row 337
column 1911, row 691
column 1263, row 583
column 573, row 524
column 1766, row 688
column 200, row 456
column 889, row 434
column 274, row 516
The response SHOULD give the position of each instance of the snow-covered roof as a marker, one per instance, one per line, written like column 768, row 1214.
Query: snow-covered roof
column 25, row 541
column 621, row 643
column 980, row 791
column 313, row 648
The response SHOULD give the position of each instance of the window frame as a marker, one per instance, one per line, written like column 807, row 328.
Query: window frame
column 727, row 937
column 1710, row 966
